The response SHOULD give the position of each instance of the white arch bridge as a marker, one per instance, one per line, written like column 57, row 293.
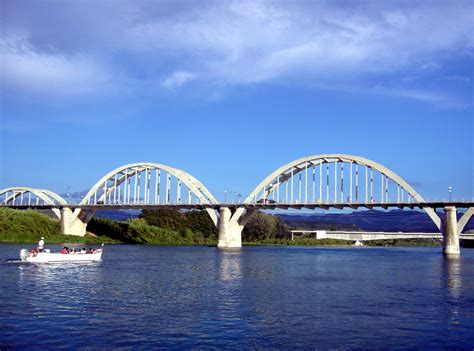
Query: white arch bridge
column 324, row 181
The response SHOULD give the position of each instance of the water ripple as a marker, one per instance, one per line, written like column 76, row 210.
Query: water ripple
column 142, row 297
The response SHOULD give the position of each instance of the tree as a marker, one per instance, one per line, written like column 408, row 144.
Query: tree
column 262, row 226
column 196, row 221
column 200, row 222
column 164, row 218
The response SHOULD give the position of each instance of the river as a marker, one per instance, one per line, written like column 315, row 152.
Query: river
column 175, row 297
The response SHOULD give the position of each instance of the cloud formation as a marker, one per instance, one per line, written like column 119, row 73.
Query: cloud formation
column 233, row 43
column 24, row 68
column 177, row 79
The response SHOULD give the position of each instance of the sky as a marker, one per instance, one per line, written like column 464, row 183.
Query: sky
column 231, row 90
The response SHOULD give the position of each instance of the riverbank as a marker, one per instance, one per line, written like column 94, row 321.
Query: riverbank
column 57, row 239
column 29, row 226
column 337, row 242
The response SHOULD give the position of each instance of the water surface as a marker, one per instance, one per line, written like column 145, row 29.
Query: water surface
column 176, row 297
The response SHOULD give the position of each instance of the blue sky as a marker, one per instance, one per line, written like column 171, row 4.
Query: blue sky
column 231, row 90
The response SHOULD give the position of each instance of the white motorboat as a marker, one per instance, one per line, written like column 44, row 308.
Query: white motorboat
column 46, row 256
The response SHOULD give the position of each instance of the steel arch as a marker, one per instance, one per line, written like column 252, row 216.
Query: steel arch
column 268, row 184
column 465, row 219
column 195, row 186
column 48, row 197
column 198, row 189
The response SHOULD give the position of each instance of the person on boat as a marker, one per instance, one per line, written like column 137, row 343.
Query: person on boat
column 83, row 250
column 64, row 250
column 41, row 244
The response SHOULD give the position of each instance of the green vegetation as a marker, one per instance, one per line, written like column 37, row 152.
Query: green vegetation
column 166, row 227
column 404, row 242
column 169, row 228
column 337, row 242
column 198, row 222
column 262, row 227
column 138, row 231
column 29, row 226
column 301, row 242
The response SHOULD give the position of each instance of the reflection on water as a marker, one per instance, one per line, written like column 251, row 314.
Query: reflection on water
column 51, row 272
column 59, row 279
column 229, row 306
column 453, row 283
column 452, row 276
column 230, row 270
column 61, row 289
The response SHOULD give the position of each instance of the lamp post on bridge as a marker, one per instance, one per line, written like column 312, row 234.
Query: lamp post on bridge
column 450, row 189
column 231, row 193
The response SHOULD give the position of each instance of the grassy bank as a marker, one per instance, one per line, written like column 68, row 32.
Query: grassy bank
column 29, row 226
column 404, row 242
column 192, row 228
column 299, row 242
column 336, row 242
column 89, row 238
column 137, row 231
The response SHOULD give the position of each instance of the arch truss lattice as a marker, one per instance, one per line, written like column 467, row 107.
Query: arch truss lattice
column 335, row 179
column 148, row 184
column 26, row 196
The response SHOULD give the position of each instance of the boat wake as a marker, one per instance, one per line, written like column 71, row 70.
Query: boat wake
column 13, row 260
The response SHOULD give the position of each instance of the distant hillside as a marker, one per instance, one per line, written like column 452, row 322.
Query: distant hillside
column 310, row 223
column 370, row 220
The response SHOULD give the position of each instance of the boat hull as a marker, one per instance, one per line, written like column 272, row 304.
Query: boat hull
column 48, row 257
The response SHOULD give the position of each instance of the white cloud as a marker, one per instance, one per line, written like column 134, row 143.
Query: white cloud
column 229, row 43
column 48, row 72
column 248, row 42
column 178, row 79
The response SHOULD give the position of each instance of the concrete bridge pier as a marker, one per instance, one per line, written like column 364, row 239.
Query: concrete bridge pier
column 70, row 224
column 230, row 226
column 450, row 232
column 230, row 232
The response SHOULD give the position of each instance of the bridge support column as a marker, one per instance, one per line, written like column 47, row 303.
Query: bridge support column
column 230, row 231
column 70, row 226
column 450, row 232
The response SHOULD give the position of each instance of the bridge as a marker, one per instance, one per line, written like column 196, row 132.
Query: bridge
column 319, row 181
